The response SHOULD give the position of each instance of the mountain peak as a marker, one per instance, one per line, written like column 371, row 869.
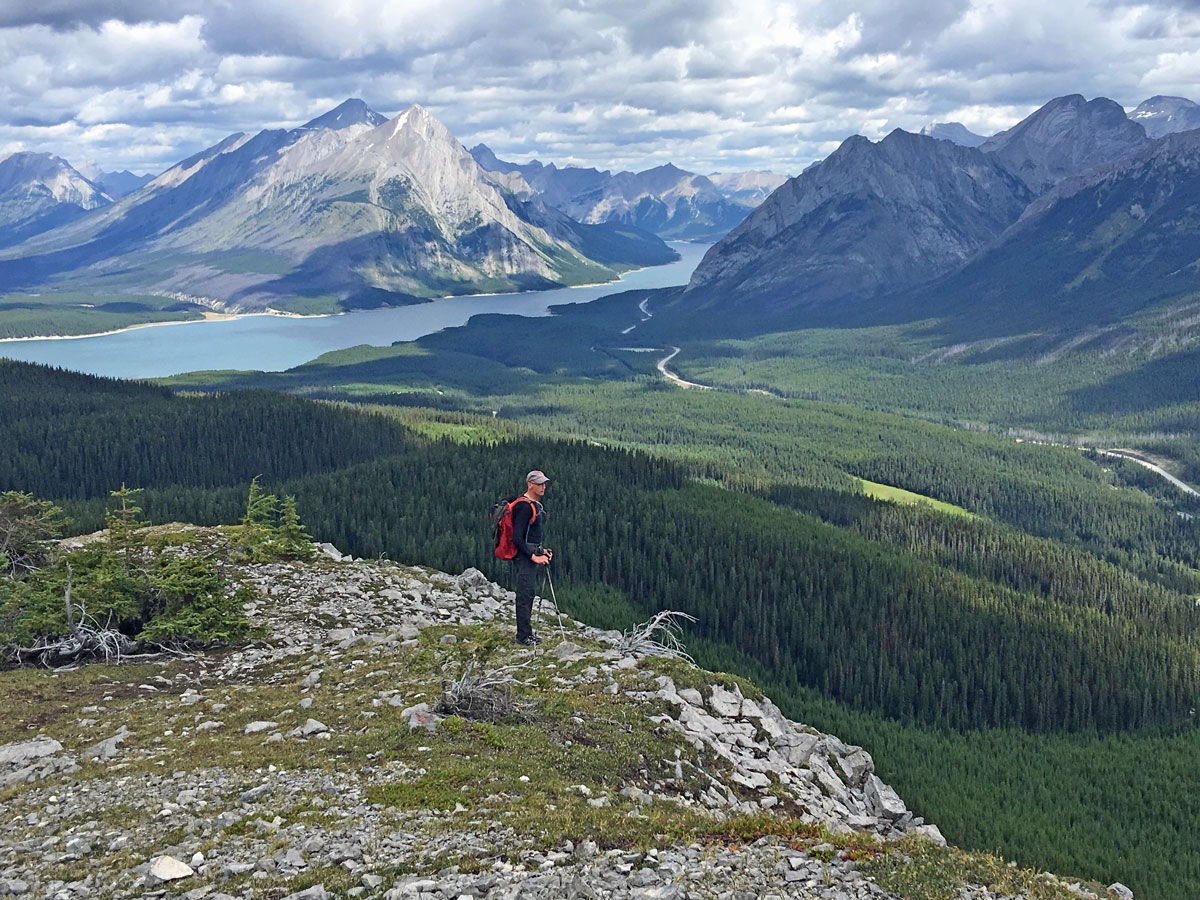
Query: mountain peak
column 1064, row 138
column 1162, row 115
column 420, row 120
column 344, row 115
column 955, row 132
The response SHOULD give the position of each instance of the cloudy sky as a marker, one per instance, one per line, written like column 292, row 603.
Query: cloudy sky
column 712, row 85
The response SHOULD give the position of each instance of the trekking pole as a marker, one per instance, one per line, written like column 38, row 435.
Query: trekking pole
column 554, row 603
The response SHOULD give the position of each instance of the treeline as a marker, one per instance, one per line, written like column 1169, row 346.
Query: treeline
column 70, row 436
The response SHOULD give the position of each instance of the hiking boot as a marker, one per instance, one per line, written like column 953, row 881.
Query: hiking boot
column 530, row 641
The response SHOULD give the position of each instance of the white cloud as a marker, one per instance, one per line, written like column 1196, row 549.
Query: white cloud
column 625, row 83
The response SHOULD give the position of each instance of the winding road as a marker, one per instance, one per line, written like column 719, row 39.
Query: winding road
column 675, row 379
column 1142, row 461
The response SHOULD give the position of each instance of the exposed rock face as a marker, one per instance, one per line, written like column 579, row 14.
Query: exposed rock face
column 349, row 205
column 1066, row 137
column 38, row 192
column 882, row 219
column 870, row 216
column 666, row 200
column 1166, row 115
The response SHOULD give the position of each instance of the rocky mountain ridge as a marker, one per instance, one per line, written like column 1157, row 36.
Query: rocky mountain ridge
column 350, row 207
column 1065, row 138
column 666, row 200
column 39, row 191
column 870, row 215
column 381, row 737
column 1161, row 115
column 845, row 234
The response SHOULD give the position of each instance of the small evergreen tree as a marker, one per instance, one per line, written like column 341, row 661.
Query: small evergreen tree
column 124, row 524
column 258, row 524
column 292, row 538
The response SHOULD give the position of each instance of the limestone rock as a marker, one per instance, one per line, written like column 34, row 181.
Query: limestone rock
column 107, row 748
column 726, row 703
column 316, row 892
column 883, row 801
column 567, row 650
column 19, row 752
column 168, row 868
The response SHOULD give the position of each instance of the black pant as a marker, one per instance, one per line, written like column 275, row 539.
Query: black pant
column 526, row 571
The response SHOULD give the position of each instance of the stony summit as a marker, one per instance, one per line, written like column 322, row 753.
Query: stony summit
column 381, row 736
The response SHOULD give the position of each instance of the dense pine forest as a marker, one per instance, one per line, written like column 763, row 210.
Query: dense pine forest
column 1050, row 622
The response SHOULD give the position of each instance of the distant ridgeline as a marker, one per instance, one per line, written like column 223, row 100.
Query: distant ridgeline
column 926, row 625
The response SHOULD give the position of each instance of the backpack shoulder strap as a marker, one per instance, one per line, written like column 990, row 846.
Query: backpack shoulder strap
column 532, row 507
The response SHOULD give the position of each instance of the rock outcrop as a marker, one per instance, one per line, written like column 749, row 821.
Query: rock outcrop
column 319, row 761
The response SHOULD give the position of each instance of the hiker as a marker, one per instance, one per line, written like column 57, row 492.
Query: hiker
column 527, row 524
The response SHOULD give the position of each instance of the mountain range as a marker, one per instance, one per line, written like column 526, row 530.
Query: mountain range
column 666, row 200
column 39, row 191
column 350, row 209
column 1076, row 201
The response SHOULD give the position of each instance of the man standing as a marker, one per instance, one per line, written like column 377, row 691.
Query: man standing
column 528, row 520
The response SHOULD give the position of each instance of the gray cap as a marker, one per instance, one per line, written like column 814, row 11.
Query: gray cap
column 537, row 476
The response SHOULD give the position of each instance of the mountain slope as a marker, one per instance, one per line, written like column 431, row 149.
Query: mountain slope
column 665, row 200
column 1166, row 115
column 38, row 192
column 868, row 218
column 1089, row 255
column 344, row 208
column 1066, row 137
column 389, row 750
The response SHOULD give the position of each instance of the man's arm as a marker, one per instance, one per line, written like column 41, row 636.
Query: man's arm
column 522, row 514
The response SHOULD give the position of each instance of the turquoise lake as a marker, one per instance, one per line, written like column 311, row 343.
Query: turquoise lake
column 275, row 343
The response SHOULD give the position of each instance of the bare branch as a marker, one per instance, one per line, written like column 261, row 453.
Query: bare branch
column 660, row 636
column 483, row 696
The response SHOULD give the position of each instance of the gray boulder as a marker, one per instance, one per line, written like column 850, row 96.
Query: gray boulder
column 19, row 752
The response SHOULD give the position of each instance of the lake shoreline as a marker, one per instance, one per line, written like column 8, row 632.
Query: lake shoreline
column 208, row 317
column 227, row 317
column 277, row 341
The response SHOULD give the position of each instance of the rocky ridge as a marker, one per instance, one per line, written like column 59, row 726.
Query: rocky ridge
column 39, row 191
column 666, row 200
column 321, row 760
column 885, row 219
column 351, row 207
column 872, row 215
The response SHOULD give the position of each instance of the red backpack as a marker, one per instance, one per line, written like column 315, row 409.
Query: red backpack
column 502, row 525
